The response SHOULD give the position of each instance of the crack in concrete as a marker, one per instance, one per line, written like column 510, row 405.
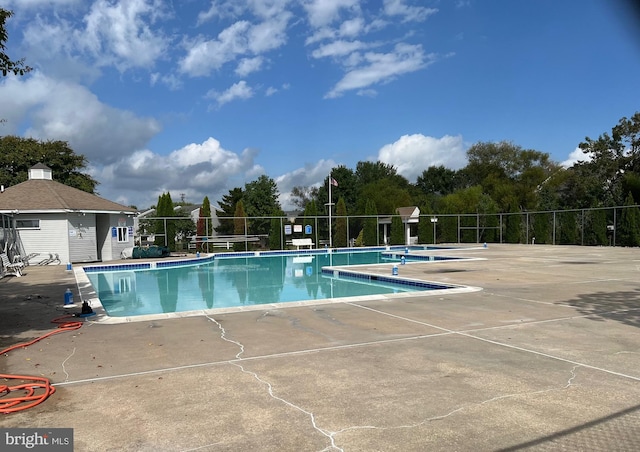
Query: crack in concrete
column 331, row 435
column 462, row 408
column 270, row 390
column 65, row 360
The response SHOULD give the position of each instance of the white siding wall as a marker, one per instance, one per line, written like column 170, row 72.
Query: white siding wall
column 76, row 238
column 112, row 249
column 51, row 238
column 82, row 238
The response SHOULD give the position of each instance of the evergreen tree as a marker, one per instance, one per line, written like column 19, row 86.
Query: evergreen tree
column 227, row 210
column 340, row 238
column 595, row 227
column 542, row 228
column 629, row 225
column 204, row 228
column 425, row 226
column 164, row 227
column 370, row 229
column 396, row 236
column 239, row 226
column 275, row 235
column 568, row 222
column 513, row 227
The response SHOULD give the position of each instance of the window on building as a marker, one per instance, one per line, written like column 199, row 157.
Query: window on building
column 123, row 236
column 27, row 224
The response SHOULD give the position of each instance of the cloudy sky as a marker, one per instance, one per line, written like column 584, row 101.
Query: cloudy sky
column 197, row 97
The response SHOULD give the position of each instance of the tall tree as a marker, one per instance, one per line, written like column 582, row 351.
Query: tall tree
column 386, row 195
column 437, row 180
column 397, row 233
column 340, row 238
column 7, row 65
column 275, row 232
column 301, row 196
column 629, row 226
column 227, row 210
column 509, row 174
column 346, row 188
column 261, row 200
column 370, row 230
column 165, row 228
column 613, row 161
column 239, row 225
column 18, row 154
column 204, row 226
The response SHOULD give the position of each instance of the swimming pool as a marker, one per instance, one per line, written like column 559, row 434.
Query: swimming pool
column 229, row 280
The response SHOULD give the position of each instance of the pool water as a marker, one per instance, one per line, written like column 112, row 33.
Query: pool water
column 236, row 281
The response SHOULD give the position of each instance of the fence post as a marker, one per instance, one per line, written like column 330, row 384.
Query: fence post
column 615, row 225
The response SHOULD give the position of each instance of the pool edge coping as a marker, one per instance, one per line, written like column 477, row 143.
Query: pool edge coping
column 88, row 294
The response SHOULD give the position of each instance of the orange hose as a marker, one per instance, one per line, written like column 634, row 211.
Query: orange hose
column 39, row 389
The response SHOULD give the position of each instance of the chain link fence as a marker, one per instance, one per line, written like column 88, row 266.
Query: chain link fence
column 613, row 226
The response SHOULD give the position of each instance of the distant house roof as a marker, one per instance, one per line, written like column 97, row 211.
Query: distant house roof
column 409, row 214
column 43, row 195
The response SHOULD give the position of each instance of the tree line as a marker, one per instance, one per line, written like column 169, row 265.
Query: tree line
column 499, row 178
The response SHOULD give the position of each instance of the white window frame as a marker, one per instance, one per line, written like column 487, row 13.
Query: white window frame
column 122, row 234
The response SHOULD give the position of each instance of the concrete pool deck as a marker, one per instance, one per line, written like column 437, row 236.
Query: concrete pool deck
column 545, row 357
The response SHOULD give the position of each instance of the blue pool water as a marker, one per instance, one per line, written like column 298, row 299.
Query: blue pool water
column 240, row 281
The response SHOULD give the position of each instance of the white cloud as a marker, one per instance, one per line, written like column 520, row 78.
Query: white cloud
column 242, row 38
column 378, row 68
column 60, row 110
column 123, row 34
column 248, row 65
column 323, row 12
column 575, row 156
column 270, row 91
column 171, row 81
column 269, row 34
column 408, row 13
column 238, row 90
column 195, row 170
column 339, row 49
column 412, row 154
column 205, row 56
column 17, row 5
column 311, row 175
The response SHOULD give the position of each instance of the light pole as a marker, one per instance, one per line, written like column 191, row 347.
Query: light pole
column 434, row 220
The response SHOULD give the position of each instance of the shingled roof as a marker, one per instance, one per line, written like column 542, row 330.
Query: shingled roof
column 46, row 195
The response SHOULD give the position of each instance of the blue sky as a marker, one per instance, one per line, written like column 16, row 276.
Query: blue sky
column 197, row 97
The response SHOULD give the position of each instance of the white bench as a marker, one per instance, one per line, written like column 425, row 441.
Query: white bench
column 302, row 242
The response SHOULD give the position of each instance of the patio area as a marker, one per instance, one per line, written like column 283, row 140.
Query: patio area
column 545, row 357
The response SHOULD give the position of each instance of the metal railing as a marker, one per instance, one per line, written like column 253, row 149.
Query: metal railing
column 9, row 239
